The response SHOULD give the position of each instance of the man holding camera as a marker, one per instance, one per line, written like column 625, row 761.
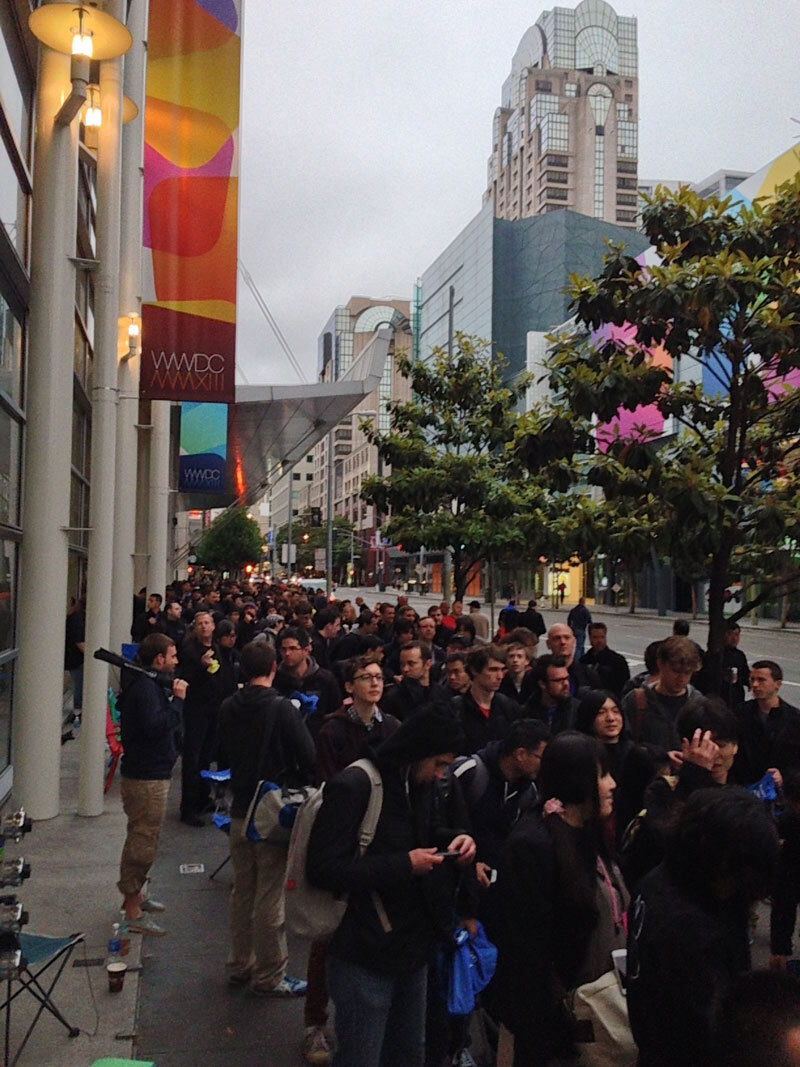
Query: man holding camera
column 150, row 717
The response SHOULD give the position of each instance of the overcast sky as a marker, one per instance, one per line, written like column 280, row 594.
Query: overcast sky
column 366, row 128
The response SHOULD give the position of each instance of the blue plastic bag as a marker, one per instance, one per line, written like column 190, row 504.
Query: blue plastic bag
column 468, row 969
column 764, row 789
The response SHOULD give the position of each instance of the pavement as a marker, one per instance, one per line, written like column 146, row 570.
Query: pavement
column 175, row 1009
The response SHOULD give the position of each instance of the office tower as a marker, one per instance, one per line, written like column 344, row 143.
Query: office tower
column 566, row 133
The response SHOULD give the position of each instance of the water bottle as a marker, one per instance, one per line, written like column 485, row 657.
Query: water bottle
column 115, row 966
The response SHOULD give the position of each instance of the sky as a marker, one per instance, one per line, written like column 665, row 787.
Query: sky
column 366, row 128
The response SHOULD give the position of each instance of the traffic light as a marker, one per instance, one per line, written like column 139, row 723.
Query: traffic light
column 316, row 516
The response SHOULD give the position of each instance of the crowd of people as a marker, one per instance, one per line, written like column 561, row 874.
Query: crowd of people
column 571, row 809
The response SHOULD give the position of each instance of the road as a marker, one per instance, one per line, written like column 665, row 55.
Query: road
column 630, row 634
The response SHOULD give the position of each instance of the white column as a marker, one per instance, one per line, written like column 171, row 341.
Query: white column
column 100, row 564
column 130, row 300
column 159, row 497
column 39, row 679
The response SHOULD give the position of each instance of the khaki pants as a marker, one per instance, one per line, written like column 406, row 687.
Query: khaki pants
column 145, row 804
column 258, row 940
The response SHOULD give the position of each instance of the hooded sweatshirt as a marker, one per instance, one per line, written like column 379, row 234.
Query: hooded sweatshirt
column 262, row 737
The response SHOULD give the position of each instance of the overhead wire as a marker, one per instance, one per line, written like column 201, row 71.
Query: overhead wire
column 265, row 311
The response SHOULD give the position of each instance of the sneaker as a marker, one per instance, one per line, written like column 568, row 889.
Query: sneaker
column 463, row 1059
column 146, row 924
column 316, row 1048
column 238, row 978
column 148, row 904
column 287, row 987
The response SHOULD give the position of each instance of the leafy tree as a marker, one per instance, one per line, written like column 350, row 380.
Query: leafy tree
column 231, row 541
column 709, row 339
column 308, row 537
column 450, row 485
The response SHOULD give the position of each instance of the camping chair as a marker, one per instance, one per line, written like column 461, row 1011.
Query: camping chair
column 38, row 954
column 113, row 738
column 221, row 818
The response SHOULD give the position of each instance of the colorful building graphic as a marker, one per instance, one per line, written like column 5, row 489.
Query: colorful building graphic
column 204, row 448
column 191, row 200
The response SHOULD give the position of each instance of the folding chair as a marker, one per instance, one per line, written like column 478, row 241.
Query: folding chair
column 38, row 954
column 221, row 819
column 113, row 738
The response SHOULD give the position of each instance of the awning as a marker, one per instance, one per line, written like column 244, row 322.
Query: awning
column 279, row 424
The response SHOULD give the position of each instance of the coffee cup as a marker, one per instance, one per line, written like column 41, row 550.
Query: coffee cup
column 116, row 975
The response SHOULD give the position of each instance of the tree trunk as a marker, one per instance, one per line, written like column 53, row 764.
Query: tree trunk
column 694, row 600
column 632, row 589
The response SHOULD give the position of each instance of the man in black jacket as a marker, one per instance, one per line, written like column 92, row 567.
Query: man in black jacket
column 769, row 728
column 149, row 721
column 610, row 665
column 485, row 713
column 414, row 691
column 561, row 642
column 303, row 681
column 200, row 666
column 262, row 737
column 400, row 892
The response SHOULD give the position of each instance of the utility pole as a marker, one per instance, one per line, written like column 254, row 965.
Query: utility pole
column 329, row 498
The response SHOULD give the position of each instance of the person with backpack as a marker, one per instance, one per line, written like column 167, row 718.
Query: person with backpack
column 261, row 737
column 344, row 737
column 400, row 891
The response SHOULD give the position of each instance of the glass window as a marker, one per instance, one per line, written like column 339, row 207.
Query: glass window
column 6, row 689
column 10, row 451
column 555, row 133
column 16, row 97
column 571, row 89
column 13, row 206
column 8, row 595
column 10, row 354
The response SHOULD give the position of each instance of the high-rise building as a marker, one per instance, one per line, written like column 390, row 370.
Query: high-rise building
column 351, row 327
column 566, row 133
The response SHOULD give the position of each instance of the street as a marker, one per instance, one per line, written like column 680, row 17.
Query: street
column 630, row 634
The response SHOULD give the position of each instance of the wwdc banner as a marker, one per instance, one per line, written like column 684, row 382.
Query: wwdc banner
column 204, row 448
column 190, row 200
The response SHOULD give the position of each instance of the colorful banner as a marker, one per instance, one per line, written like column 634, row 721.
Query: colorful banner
column 190, row 200
column 204, row 448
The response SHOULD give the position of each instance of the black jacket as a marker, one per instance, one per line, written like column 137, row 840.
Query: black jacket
column 404, row 699
column 149, row 720
column 419, row 908
column 315, row 682
column 142, row 626
column 479, row 730
column 612, row 668
column 205, row 688
column 582, row 677
column 786, row 891
column 522, row 695
column 658, row 721
column 683, row 954
column 559, row 717
column 262, row 736
column 532, row 620
column 771, row 741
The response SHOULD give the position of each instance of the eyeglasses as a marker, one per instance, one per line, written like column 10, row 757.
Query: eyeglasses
column 368, row 678
column 291, row 648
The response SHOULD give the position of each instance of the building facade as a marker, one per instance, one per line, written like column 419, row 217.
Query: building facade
column 351, row 327
column 566, row 132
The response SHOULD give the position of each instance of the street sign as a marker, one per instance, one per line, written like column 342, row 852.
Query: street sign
column 284, row 555
column 616, row 587
column 270, row 537
column 320, row 559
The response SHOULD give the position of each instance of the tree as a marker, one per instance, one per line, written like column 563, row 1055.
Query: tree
column 709, row 339
column 450, row 486
column 231, row 541
column 308, row 537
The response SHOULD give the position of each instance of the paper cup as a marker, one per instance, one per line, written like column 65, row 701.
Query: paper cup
column 116, row 975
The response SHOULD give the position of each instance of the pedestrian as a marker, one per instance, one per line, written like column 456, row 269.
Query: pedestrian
column 651, row 713
column 74, row 650
column 200, row 666
column 401, row 892
column 611, row 666
column 689, row 925
column 769, row 728
column 301, row 679
column 262, row 737
column 484, row 712
column 578, row 619
column 562, row 900
column 150, row 717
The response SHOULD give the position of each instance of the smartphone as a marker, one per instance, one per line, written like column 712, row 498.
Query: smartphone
column 449, row 854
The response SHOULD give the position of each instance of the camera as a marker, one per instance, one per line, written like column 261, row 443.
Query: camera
column 14, row 872
column 15, row 824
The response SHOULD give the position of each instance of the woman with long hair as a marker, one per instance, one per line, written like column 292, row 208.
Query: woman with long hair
column 563, row 900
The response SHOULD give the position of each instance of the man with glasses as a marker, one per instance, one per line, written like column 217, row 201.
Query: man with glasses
column 347, row 735
column 313, row 689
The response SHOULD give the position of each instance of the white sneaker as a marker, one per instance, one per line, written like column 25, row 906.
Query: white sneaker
column 316, row 1048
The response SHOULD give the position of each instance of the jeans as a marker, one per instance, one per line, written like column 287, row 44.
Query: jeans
column 379, row 1019
column 580, row 643
column 76, row 674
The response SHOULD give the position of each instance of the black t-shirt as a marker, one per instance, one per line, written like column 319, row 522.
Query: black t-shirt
column 75, row 635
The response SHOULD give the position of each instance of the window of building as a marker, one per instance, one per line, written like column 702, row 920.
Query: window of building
column 295, row 477
column 557, row 194
column 628, row 140
column 571, row 89
column 543, row 86
column 626, row 168
column 626, row 216
column 310, row 458
column 555, row 132
column 629, row 183
column 627, row 198
column 557, row 161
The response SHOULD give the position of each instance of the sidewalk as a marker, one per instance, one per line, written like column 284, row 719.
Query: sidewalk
column 177, row 1010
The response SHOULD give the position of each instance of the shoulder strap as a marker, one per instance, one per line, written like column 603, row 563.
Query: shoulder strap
column 476, row 784
column 640, row 706
column 369, row 824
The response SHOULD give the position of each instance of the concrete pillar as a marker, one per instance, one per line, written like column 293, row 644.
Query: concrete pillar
column 40, row 668
column 104, row 434
column 130, row 300
column 158, row 526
